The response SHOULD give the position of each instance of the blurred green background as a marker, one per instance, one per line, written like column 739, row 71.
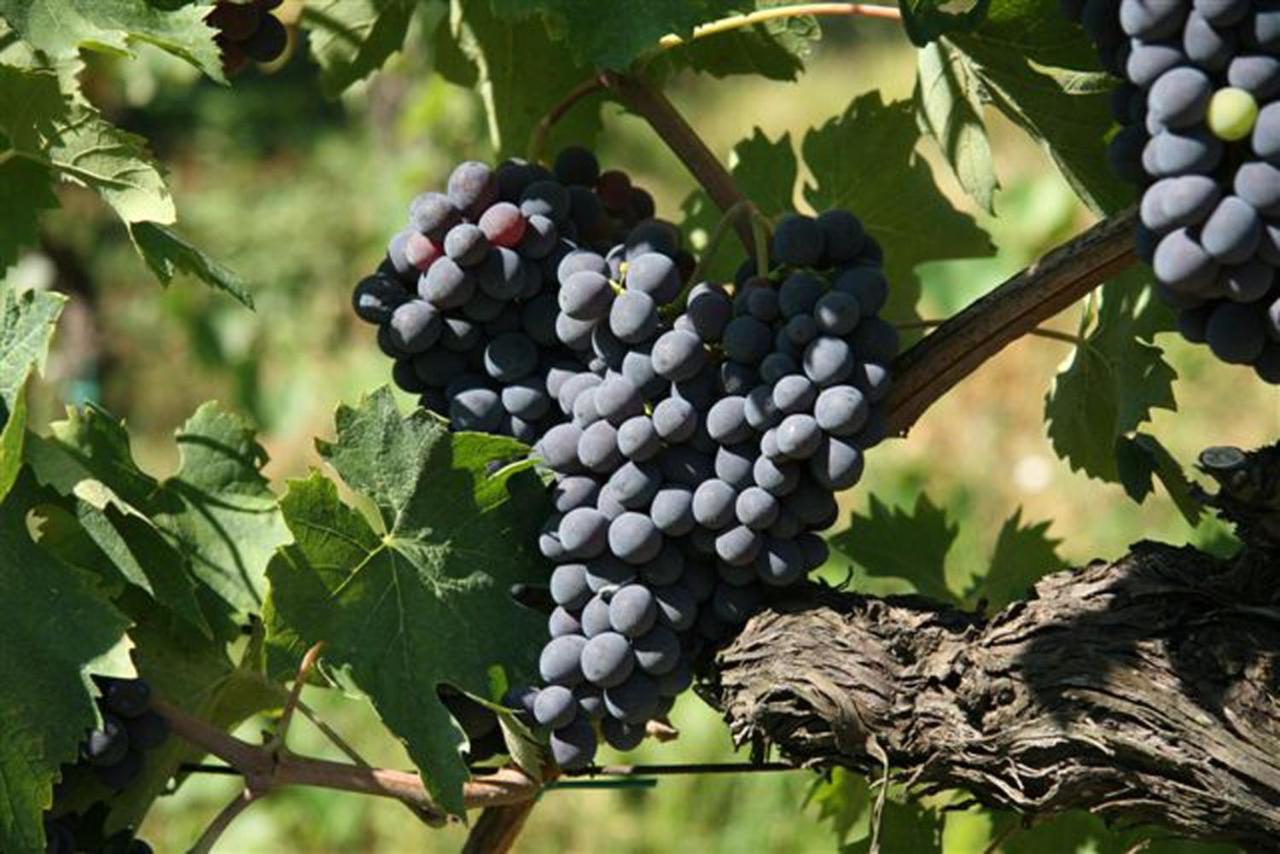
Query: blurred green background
column 299, row 194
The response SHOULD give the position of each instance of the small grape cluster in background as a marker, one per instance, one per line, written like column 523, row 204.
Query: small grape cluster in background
column 114, row 756
column 697, row 433
column 1201, row 138
column 247, row 32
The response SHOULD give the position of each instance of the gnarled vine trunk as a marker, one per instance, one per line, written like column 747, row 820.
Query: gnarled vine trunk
column 1145, row 690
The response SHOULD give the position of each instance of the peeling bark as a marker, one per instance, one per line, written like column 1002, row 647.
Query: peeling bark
column 1145, row 690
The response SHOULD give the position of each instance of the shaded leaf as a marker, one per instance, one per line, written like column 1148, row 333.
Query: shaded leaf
column 495, row 54
column 61, row 28
column 1038, row 68
column 26, row 189
column 57, row 631
column 864, row 160
column 926, row 20
column 351, row 39
column 1143, row 456
column 949, row 105
column 1108, row 386
column 168, row 254
column 1023, row 554
column 27, row 322
column 422, row 598
column 114, row 163
column 897, row 543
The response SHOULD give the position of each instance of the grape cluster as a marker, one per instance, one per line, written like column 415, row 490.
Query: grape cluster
column 696, row 432
column 467, row 299
column 702, row 451
column 113, row 754
column 1200, row 136
column 247, row 32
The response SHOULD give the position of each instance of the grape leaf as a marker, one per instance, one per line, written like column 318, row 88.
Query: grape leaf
column 27, row 322
column 1108, row 386
column 351, row 39
column 61, row 28
column 168, row 254
column 1038, row 68
column 844, row 799
column 949, row 106
column 1023, row 554
column 1140, row 457
column 26, row 189
column 926, row 20
column 775, row 49
column 904, row 826
column 32, row 106
column 906, row 544
column 864, row 160
column 611, row 33
column 213, row 524
column 494, row 54
column 90, row 151
column 422, row 598
column 57, row 631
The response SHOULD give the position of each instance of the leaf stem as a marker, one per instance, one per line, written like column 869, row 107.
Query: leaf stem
column 223, row 820
column 1039, row 331
column 760, row 16
column 538, row 139
column 684, row 141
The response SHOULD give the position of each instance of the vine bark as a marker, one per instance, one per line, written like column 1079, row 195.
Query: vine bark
column 1146, row 690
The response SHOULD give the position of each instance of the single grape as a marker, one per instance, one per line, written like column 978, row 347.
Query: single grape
column 746, row 340
column 655, row 275
column 633, row 610
column 795, row 393
column 836, row 464
column 780, row 562
column 576, row 165
column 607, row 660
column 798, row 436
column 376, row 297
column 584, row 532
column 633, row 316
column 595, row 617
column 634, row 701
column 622, row 736
column 555, row 706
column 562, row 622
column 638, row 439
column 678, row 355
column 1236, row 333
column 672, row 511
column 635, row 484
column 560, row 662
column 1232, row 231
column 472, row 187
column 574, row 746
column 1257, row 75
column 709, row 309
column 503, row 225
column 634, row 538
column 569, row 586
column 842, row 235
column 545, row 198
column 713, row 504
column 828, row 361
column 476, row 409
column 799, row 294
column 798, row 241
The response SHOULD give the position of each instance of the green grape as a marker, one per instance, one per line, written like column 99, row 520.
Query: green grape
column 1232, row 113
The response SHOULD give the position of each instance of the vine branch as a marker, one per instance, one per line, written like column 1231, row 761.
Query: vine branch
column 684, row 141
column 760, row 16
column 933, row 366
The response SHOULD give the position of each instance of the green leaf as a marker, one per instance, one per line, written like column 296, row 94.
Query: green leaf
column 27, row 322
column 774, row 50
column 168, row 254
column 1142, row 456
column 26, row 189
column 1108, row 386
column 895, row 543
column 57, row 630
column 422, row 598
column 864, row 160
column 214, row 524
column 91, row 151
column 351, row 39
column 949, row 105
column 610, row 33
column 926, row 20
column 32, row 106
column 1038, row 69
column 904, row 826
column 61, row 28
column 1023, row 554
column 495, row 54
column 845, row 801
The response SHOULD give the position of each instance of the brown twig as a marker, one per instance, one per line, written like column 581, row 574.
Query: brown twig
column 934, row 366
column 264, row 770
column 680, row 137
column 760, row 16
column 295, row 696
column 497, row 829
column 538, row 139
column 222, row 821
